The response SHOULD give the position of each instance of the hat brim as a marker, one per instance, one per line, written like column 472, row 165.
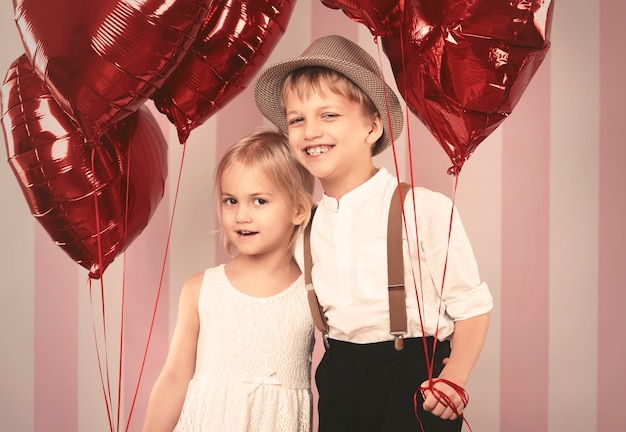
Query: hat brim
column 268, row 90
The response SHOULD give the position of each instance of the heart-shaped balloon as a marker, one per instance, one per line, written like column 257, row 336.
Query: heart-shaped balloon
column 460, row 65
column 102, row 60
column 93, row 199
column 236, row 39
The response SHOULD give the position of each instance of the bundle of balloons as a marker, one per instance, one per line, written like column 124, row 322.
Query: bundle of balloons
column 90, row 158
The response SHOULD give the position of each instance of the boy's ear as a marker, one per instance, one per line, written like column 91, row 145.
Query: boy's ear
column 376, row 130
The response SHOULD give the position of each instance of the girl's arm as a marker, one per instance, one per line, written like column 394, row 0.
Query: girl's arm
column 168, row 393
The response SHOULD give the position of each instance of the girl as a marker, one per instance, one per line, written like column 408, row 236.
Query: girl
column 240, row 356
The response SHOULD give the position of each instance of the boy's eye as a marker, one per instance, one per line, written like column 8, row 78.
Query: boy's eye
column 294, row 120
column 330, row 115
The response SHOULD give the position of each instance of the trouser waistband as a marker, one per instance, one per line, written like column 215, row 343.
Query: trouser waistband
column 383, row 351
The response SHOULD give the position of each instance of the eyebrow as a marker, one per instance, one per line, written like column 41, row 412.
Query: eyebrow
column 253, row 194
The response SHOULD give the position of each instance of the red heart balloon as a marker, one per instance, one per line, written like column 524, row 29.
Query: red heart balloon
column 461, row 66
column 233, row 44
column 102, row 60
column 93, row 199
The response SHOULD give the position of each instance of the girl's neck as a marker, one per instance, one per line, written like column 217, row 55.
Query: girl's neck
column 262, row 277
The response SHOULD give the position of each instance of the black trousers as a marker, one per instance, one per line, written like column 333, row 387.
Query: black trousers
column 370, row 387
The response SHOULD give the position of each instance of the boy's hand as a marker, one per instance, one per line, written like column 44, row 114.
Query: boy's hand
column 445, row 399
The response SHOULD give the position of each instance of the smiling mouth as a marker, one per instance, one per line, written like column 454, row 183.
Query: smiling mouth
column 317, row 150
column 246, row 233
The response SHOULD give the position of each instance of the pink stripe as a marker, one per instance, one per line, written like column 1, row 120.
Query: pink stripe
column 56, row 335
column 612, row 236
column 142, row 268
column 330, row 21
column 525, row 260
column 430, row 161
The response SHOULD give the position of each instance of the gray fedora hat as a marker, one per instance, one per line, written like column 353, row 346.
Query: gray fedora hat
column 343, row 56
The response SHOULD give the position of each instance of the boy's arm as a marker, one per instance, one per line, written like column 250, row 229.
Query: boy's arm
column 170, row 388
column 466, row 345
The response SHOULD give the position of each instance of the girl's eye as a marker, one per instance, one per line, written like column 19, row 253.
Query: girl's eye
column 229, row 201
column 261, row 201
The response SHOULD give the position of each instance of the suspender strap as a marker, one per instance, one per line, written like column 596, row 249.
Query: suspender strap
column 395, row 273
column 316, row 308
column 395, row 269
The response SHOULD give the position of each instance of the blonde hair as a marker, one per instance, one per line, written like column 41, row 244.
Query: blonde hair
column 317, row 79
column 269, row 152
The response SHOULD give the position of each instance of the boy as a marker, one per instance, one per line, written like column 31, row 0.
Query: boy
column 339, row 113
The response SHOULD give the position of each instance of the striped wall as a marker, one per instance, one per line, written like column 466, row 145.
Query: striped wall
column 542, row 199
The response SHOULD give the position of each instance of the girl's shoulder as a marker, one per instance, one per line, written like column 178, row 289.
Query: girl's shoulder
column 198, row 282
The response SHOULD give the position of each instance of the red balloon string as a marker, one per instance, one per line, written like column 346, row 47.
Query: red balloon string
column 430, row 386
column 114, row 410
column 106, row 388
column 412, row 182
column 105, row 371
column 104, row 375
column 442, row 398
column 158, row 295
column 123, row 300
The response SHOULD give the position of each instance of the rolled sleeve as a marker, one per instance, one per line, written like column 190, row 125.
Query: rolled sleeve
column 470, row 303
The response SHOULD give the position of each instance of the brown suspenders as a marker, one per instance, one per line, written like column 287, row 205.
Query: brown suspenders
column 395, row 274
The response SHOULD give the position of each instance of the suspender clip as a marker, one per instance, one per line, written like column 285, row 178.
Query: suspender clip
column 325, row 338
column 398, row 340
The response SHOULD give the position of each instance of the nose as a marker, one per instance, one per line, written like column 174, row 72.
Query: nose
column 242, row 214
column 312, row 129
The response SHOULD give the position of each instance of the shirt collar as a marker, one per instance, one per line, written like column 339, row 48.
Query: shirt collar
column 361, row 193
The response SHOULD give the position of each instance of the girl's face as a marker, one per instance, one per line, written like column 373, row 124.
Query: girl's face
column 256, row 215
column 332, row 137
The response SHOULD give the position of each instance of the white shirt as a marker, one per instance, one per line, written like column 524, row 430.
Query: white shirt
column 349, row 245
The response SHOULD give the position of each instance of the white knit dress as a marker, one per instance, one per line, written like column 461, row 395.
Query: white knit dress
column 253, row 364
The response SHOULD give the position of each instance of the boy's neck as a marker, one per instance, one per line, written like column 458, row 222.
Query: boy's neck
column 337, row 189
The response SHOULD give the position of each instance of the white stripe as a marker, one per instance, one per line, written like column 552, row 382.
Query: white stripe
column 17, row 253
column 574, row 216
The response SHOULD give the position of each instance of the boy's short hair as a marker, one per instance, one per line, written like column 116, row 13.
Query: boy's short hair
column 269, row 152
column 348, row 59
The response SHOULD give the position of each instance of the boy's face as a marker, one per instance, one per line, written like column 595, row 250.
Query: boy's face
column 332, row 137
